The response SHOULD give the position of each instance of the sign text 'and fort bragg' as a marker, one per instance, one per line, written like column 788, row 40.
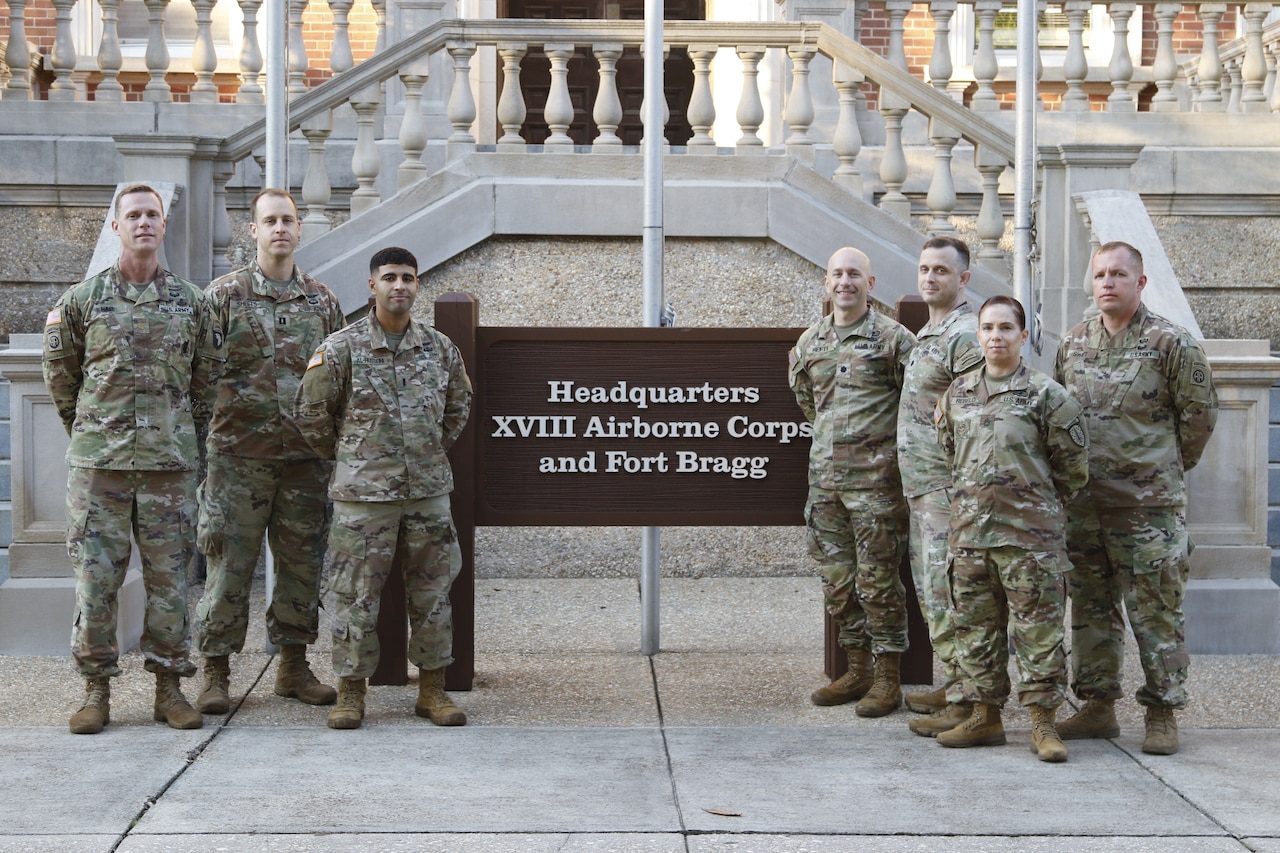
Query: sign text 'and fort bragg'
column 639, row 427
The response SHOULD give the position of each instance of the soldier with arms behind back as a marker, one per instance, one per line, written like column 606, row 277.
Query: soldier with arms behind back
column 386, row 397
column 1150, row 405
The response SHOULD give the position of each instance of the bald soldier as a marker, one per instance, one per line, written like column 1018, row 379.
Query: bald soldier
column 847, row 374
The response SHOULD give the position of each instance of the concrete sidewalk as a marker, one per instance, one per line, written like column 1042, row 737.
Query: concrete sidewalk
column 577, row 742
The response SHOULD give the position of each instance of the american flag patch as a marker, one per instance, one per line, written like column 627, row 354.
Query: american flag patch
column 55, row 317
column 316, row 360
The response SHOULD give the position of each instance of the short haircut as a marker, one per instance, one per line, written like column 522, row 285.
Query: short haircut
column 1120, row 244
column 392, row 255
column 1012, row 303
column 274, row 192
column 943, row 242
column 133, row 189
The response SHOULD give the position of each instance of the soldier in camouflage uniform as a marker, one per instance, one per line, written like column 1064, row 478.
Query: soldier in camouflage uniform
column 262, row 476
column 945, row 348
column 847, row 373
column 128, row 355
column 1149, row 399
column 1017, row 445
column 387, row 397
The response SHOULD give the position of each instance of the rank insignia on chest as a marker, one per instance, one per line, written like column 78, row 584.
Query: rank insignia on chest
column 282, row 320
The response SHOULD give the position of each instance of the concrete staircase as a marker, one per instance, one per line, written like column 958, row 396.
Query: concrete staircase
column 6, row 483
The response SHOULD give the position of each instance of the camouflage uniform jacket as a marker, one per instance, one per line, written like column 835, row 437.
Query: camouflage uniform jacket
column 1150, row 404
column 386, row 417
column 1018, row 451
column 941, row 354
column 268, row 333
column 848, row 387
column 128, row 369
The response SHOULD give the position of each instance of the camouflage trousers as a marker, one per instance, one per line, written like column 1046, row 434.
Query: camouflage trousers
column 930, row 529
column 859, row 539
column 994, row 588
column 103, row 508
column 240, row 501
column 365, row 539
column 1134, row 561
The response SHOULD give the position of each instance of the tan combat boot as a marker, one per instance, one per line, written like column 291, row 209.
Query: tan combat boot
column 941, row 721
column 886, row 687
column 1096, row 719
column 928, row 702
column 1162, row 731
column 433, row 703
column 854, row 684
column 295, row 680
column 171, row 706
column 214, row 697
column 349, row 711
column 983, row 728
column 96, row 710
column 1045, row 742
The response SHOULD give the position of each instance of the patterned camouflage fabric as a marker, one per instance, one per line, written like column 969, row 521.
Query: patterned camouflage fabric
column 388, row 418
column 127, row 368
column 1151, row 407
column 848, row 383
column 1018, row 449
column 943, row 351
column 262, row 476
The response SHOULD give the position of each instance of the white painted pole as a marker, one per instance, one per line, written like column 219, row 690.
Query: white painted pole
column 1025, row 162
column 652, row 262
column 277, row 94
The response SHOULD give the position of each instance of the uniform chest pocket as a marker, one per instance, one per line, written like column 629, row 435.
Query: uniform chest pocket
column 1143, row 384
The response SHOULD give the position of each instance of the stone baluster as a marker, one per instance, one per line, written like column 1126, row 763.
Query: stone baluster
column 63, row 87
column 940, row 65
column 750, row 108
column 893, row 108
column 1075, row 66
column 666, row 110
column 109, row 57
column 1275, row 89
column 1234, row 77
column 365, row 162
column 607, row 111
column 380, row 12
column 413, row 130
column 340, row 56
column 942, row 189
column 250, row 91
column 16, row 53
column 990, row 217
column 702, row 106
column 846, row 142
column 157, row 56
column 222, row 172
column 1209, row 71
column 1254, row 69
column 316, row 187
column 1269, row 87
column 204, row 59
column 558, row 113
column 462, row 106
column 1165, row 67
column 511, row 108
column 1121, row 100
column 297, row 50
column 985, row 64
column 799, row 113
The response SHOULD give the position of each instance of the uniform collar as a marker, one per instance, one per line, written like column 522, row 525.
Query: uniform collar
column 946, row 322
column 263, row 286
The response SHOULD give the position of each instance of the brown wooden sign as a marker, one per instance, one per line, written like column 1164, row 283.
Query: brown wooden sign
column 656, row 427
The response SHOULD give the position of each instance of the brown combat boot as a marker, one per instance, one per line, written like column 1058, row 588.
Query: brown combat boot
column 886, row 687
column 1097, row 718
column 1162, row 731
column 854, row 684
column 171, row 706
column 295, row 680
column 96, row 710
column 214, row 698
column 1045, row 742
column 433, row 703
column 983, row 728
column 349, row 711
column 928, row 702
column 941, row 721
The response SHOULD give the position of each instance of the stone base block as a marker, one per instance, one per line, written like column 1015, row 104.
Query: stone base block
column 1233, row 617
column 36, row 613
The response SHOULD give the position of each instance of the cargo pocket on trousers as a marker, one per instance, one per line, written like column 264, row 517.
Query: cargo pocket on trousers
column 77, row 531
column 348, row 549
